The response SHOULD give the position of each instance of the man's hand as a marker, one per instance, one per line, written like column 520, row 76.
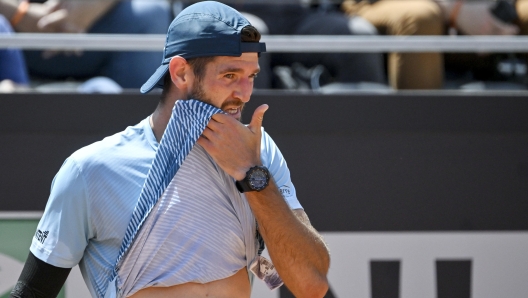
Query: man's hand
column 75, row 16
column 36, row 11
column 234, row 146
column 296, row 249
column 72, row 17
column 475, row 18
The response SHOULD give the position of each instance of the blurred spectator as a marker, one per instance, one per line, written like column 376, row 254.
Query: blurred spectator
column 129, row 69
column 312, row 70
column 433, row 17
column 13, row 71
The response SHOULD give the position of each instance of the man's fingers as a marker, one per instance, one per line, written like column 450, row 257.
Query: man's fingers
column 258, row 117
column 215, row 123
column 221, row 118
column 207, row 133
column 506, row 29
column 204, row 142
column 499, row 27
column 52, row 5
column 53, row 22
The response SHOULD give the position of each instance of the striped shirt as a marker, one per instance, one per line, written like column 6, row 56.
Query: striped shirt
column 196, row 232
column 94, row 195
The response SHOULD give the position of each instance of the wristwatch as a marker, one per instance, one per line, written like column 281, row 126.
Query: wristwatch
column 257, row 178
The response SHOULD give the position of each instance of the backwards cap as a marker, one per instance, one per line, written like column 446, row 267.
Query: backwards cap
column 203, row 29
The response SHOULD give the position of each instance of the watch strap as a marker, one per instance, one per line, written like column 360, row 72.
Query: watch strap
column 244, row 185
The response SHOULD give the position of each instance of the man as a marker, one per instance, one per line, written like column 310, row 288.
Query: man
column 431, row 17
column 294, row 17
column 13, row 71
column 129, row 69
column 199, row 234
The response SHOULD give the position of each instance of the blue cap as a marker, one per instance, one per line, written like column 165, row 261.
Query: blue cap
column 203, row 29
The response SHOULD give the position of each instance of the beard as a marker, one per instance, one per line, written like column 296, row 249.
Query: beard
column 198, row 93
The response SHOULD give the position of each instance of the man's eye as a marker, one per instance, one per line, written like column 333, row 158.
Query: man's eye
column 229, row 75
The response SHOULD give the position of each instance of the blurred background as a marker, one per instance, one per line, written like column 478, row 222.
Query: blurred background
column 404, row 124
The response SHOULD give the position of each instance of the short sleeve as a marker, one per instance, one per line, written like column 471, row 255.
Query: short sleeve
column 64, row 229
column 272, row 158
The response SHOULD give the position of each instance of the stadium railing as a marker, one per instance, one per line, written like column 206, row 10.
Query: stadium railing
column 277, row 43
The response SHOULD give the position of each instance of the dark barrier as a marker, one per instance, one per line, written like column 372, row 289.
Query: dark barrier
column 421, row 162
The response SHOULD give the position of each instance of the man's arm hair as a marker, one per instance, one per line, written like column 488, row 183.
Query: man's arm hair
column 39, row 279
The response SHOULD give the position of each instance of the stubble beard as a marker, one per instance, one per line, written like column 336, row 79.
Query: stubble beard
column 198, row 93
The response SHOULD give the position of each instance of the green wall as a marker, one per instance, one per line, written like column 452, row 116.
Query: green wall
column 15, row 239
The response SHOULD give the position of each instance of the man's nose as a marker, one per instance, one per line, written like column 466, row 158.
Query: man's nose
column 243, row 90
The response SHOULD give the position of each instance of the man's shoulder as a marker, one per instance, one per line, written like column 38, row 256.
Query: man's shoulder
column 111, row 148
column 266, row 141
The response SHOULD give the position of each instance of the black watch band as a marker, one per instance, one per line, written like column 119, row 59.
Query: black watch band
column 257, row 178
column 242, row 186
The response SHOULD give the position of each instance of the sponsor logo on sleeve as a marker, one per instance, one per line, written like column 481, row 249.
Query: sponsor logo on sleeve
column 285, row 191
column 41, row 236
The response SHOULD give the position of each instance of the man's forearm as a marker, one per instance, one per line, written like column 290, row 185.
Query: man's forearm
column 8, row 8
column 297, row 250
column 39, row 279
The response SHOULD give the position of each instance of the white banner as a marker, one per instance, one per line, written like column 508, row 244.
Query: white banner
column 499, row 263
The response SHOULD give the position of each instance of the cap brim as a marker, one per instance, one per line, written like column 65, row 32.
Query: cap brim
column 156, row 79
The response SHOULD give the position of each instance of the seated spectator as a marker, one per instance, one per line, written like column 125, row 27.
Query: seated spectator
column 13, row 71
column 431, row 17
column 316, row 70
column 129, row 69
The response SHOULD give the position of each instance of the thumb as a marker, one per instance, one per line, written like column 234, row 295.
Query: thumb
column 258, row 117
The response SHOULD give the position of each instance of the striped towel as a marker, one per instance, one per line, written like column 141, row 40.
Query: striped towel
column 188, row 120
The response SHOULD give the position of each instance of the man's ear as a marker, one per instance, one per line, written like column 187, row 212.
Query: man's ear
column 180, row 72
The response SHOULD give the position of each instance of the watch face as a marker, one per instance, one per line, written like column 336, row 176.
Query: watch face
column 258, row 179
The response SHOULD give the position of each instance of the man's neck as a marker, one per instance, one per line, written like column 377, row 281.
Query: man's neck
column 161, row 116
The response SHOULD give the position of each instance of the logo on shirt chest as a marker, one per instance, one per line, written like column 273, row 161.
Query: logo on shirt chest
column 41, row 236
